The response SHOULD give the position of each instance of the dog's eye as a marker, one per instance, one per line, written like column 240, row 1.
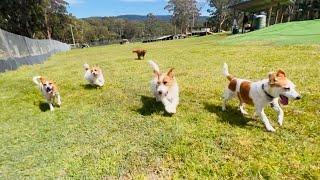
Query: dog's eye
column 50, row 83
column 287, row 89
column 158, row 82
column 45, row 84
column 165, row 82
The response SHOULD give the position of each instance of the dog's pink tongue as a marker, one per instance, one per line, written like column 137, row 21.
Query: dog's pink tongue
column 284, row 100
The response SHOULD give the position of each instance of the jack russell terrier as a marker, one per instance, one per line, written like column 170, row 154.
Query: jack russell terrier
column 93, row 75
column 165, row 88
column 261, row 93
column 49, row 90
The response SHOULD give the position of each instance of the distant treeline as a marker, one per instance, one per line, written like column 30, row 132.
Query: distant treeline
column 50, row 19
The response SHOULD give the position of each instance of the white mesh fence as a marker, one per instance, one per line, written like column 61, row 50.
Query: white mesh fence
column 16, row 50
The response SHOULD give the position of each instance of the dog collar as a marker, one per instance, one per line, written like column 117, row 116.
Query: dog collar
column 271, row 97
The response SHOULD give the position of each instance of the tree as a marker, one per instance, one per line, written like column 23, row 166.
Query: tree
column 21, row 17
column 55, row 17
column 221, row 13
column 184, row 13
column 34, row 18
column 150, row 25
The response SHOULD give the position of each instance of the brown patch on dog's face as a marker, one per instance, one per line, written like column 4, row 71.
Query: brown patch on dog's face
column 166, row 78
column 48, row 85
column 164, row 81
column 95, row 71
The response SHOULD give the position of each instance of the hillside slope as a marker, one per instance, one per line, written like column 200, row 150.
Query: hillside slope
column 301, row 32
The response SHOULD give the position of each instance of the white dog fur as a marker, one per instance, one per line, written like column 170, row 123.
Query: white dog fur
column 165, row 88
column 93, row 75
column 260, row 94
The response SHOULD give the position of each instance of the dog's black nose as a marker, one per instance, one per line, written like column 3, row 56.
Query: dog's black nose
column 299, row 97
column 160, row 92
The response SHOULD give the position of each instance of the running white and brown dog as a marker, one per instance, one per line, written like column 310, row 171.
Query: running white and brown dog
column 165, row 88
column 49, row 90
column 261, row 93
column 93, row 75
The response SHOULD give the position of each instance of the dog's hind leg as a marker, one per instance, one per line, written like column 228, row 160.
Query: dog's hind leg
column 241, row 106
column 58, row 100
column 275, row 105
column 227, row 95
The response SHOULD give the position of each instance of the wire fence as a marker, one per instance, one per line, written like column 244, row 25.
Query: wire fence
column 16, row 50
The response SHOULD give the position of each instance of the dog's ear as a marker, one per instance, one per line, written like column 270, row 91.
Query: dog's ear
column 42, row 79
column 281, row 73
column 170, row 73
column 156, row 74
column 272, row 78
column 86, row 66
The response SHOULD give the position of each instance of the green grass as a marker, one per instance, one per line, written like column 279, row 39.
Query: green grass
column 119, row 131
column 300, row 32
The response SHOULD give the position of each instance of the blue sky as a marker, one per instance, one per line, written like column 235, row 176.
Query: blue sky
column 87, row 8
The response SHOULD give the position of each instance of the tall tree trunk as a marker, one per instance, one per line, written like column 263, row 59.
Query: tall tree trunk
column 277, row 14
column 48, row 33
column 269, row 16
column 290, row 10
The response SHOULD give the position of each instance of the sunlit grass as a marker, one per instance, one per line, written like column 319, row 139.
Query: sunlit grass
column 120, row 131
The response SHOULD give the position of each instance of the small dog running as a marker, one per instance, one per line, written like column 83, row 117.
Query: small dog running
column 48, row 89
column 165, row 88
column 140, row 53
column 93, row 75
column 261, row 93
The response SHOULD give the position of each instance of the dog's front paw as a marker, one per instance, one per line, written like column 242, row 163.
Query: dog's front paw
column 280, row 121
column 244, row 112
column 171, row 110
column 270, row 128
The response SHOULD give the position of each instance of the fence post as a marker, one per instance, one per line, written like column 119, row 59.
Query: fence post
column 5, row 42
column 25, row 41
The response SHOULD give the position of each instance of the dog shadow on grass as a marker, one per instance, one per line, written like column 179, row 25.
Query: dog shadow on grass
column 150, row 106
column 43, row 106
column 89, row 86
column 231, row 116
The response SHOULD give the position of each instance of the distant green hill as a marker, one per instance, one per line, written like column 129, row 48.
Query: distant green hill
column 306, row 32
column 132, row 17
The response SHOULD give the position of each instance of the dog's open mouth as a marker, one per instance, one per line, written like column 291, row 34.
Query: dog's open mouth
column 284, row 100
column 49, row 90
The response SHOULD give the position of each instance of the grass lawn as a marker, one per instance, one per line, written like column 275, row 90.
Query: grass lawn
column 300, row 32
column 119, row 131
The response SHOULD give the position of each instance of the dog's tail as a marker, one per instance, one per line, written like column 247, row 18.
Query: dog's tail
column 36, row 80
column 154, row 66
column 86, row 66
column 226, row 72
